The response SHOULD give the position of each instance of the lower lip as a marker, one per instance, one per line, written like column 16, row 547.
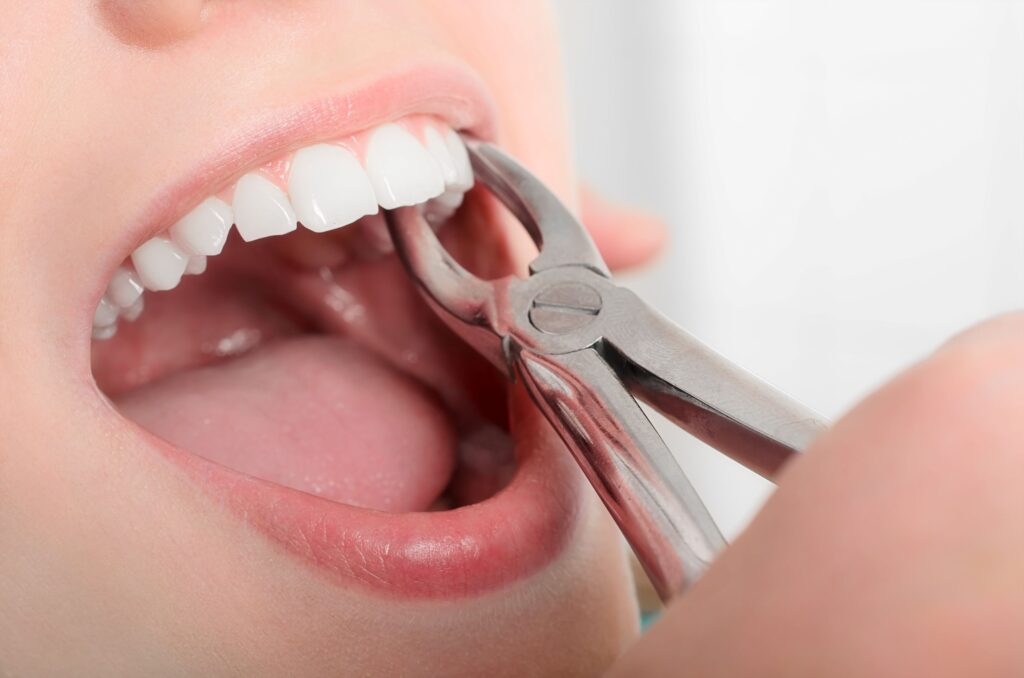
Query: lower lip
column 446, row 554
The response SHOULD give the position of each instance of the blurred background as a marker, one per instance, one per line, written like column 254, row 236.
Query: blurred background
column 844, row 181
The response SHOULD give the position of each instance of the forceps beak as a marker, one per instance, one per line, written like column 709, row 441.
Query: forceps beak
column 468, row 304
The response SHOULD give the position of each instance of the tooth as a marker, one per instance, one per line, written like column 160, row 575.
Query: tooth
column 104, row 332
column 438, row 150
column 401, row 171
column 196, row 264
column 441, row 208
column 204, row 230
column 106, row 313
column 261, row 209
column 375, row 240
column 329, row 188
column 125, row 287
column 159, row 264
column 134, row 311
column 463, row 168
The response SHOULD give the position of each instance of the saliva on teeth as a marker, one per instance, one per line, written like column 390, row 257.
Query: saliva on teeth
column 326, row 186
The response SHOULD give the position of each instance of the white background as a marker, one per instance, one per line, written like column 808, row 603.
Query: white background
column 844, row 180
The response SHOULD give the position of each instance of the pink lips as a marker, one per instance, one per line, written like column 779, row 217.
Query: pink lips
column 465, row 551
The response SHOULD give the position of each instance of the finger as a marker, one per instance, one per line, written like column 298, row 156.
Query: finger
column 894, row 547
column 627, row 237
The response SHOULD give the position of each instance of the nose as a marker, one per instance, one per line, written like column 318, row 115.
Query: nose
column 152, row 23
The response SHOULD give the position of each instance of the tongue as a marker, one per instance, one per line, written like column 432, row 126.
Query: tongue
column 319, row 414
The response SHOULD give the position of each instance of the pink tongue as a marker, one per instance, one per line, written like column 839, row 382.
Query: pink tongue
column 319, row 414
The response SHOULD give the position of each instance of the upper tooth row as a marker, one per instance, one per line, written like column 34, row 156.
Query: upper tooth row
column 327, row 188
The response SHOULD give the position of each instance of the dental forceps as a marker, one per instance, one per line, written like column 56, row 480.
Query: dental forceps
column 585, row 349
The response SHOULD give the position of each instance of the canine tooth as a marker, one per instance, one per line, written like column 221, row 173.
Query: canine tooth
column 329, row 188
column 134, row 311
column 204, row 230
column 104, row 332
column 106, row 313
column 125, row 287
column 438, row 150
column 463, row 168
column 196, row 264
column 159, row 264
column 401, row 171
column 261, row 209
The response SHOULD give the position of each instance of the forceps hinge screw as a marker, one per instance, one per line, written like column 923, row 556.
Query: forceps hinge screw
column 565, row 307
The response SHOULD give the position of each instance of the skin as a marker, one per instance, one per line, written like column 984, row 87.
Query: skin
column 112, row 560
column 893, row 547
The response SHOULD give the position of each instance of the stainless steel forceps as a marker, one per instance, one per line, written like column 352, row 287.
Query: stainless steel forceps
column 584, row 347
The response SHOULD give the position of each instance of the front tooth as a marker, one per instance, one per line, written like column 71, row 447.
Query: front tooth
column 329, row 188
column 401, row 171
column 125, row 287
column 196, row 265
column 204, row 230
column 463, row 168
column 106, row 313
column 261, row 209
column 159, row 264
column 438, row 150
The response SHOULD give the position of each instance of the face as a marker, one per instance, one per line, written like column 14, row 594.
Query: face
column 283, row 463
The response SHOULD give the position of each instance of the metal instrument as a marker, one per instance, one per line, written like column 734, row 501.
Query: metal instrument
column 586, row 348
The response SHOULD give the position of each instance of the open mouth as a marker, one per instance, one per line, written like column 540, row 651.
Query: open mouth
column 270, row 341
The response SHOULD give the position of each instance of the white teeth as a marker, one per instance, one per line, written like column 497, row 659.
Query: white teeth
column 401, row 170
column 133, row 311
column 106, row 313
column 104, row 331
column 196, row 265
column 204, row 230
column 159, row 264
column 463, row 168
column 329, row 188
column 438, row 150
column 261, row 209
column 124, row 288
column 441, row 208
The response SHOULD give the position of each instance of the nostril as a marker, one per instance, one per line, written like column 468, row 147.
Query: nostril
column 152, row 23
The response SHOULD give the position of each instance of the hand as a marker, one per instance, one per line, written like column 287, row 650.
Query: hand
column 894, row 547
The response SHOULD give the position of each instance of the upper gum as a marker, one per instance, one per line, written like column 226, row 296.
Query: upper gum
column 276, row 169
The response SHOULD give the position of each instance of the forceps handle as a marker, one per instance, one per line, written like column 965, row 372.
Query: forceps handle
column 703, row 393
column 634, row 473
column 586, row 382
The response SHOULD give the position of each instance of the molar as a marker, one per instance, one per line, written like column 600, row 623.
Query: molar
column 134, row 311
column 401, row 170
column 106, row 313
column 329, row 188
column 261, row 209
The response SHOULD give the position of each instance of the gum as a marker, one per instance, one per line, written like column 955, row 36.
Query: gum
column 278, row 169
